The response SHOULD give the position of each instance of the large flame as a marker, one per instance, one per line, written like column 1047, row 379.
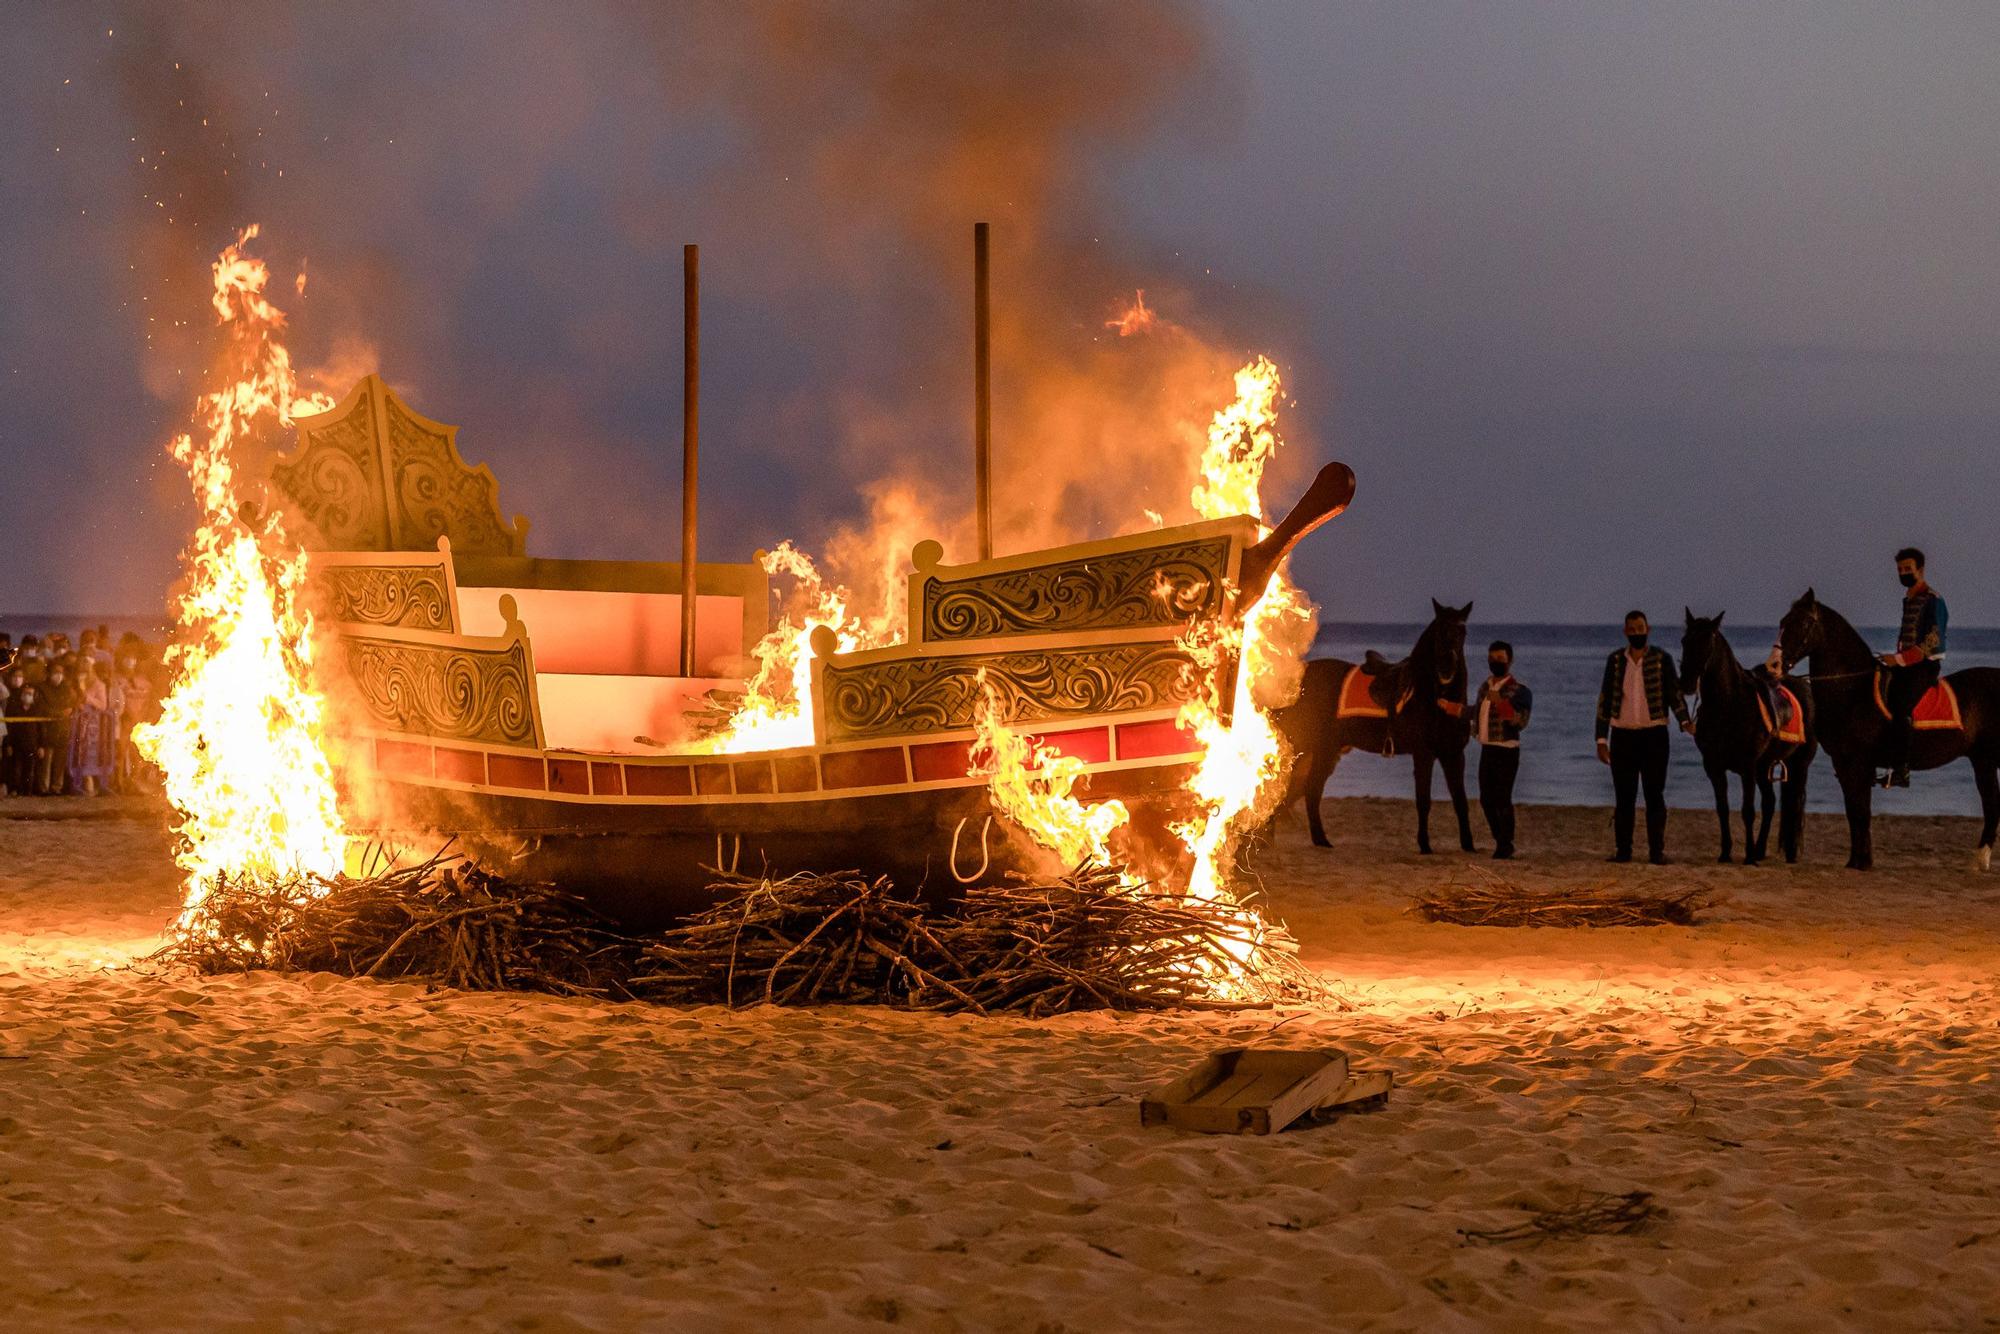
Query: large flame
column 240, row 739
column 1240, row 779
column 1245, row 667
column 1033, row 787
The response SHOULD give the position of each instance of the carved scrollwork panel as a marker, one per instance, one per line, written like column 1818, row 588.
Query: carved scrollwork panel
column 412, row 597
column 1154, row 586
column 335, row 482
column 437, row 495
column 444, row 691
column 919, row 695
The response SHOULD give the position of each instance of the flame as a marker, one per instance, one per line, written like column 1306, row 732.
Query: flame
column 1032, row 785
column 1241, row 775
column 240, row 739
column 1137, row 318
column 777, row 707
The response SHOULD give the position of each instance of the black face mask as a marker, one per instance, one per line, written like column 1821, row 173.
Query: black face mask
column 1907, row 580
column 1636, row 641
column 1497, row 666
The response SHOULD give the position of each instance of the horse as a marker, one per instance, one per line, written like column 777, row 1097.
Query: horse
column 1853, row 729
column 1734, row 730
column 1410, row 715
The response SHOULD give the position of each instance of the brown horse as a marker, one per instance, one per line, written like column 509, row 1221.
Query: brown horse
column 1413, row 696
column 1854, row 730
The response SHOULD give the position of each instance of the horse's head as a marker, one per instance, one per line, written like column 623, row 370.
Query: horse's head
column 1801, row 632
column 1700, row 639
column 1445, row 640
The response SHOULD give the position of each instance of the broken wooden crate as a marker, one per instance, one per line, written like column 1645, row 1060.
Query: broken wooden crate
column 1255, row 1091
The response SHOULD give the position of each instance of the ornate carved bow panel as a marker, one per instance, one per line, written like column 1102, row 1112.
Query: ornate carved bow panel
column 445, row 690
column 1161, row 586
column 941, row 694
column 411, row 597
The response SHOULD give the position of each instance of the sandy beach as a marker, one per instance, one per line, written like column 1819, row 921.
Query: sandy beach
column 1806, row 1083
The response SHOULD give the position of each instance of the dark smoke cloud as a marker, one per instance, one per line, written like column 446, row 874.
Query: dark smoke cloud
column 491, row 199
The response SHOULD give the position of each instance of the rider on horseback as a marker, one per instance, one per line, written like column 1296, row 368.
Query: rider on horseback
column 1914, row 666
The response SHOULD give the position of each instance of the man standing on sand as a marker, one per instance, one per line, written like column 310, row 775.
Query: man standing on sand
column 1499, row 712
column 1640, row 687
column 1914, row 666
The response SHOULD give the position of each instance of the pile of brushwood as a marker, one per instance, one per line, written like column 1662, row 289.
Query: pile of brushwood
column 1498, row 903
column 1080, row 941
column 1076, row 942
column 446, row 922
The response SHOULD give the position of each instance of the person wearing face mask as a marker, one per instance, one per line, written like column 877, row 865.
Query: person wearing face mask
column 1499, row 713
column 59, row 703
column 29, row 660
column 1914, row 666
column 22, row 750
column 1640, row 689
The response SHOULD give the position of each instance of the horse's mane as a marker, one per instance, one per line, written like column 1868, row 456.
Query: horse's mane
column 1838, row 633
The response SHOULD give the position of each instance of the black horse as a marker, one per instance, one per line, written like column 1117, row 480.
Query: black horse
column 1854, row 730
column 1424, row 699
column 1735, row 736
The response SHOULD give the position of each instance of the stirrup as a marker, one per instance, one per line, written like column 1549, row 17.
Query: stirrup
column 1778, row 771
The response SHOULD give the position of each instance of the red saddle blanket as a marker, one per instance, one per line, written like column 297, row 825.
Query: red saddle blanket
column 1787, row 720
column 1937, row 711
column 1356, row 700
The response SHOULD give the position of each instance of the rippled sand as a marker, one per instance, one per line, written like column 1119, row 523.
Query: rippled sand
column 1807, row 1084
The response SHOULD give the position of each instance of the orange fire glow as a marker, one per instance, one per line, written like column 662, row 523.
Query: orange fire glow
column 1137, row 318
column 240, row 739
column 1032, row 787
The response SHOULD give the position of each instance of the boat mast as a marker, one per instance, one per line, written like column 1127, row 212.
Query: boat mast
column 690, row 441
column 982, row 393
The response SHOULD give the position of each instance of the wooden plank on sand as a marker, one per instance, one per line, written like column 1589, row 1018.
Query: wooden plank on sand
column 1246, row 1091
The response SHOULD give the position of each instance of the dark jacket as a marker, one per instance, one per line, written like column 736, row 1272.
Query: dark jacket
column 1921, row 635
column 1663, row 689
column 1512, row 702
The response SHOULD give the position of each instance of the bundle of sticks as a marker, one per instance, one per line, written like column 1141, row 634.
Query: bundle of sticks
column 446, row 921
column 1080, row 941
column 1499, row 903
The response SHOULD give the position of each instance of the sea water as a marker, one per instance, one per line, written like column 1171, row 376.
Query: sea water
column 1564, row 665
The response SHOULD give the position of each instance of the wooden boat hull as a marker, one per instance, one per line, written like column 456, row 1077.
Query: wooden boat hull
column 646, row 865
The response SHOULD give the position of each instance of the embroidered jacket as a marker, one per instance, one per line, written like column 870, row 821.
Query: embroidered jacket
column 1500, row 711
column 1924, row 620
column 1663, row 689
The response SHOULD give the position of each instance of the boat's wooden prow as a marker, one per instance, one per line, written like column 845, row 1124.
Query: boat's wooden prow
column 1331, row 492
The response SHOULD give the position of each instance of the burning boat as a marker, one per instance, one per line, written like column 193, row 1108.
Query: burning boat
column 559, row 719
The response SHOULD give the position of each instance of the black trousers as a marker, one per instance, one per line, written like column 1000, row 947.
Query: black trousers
column 1498, row 766
column 1639, row 756
column 1906, row 686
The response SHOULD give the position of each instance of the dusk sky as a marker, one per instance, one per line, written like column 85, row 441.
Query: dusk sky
column 1606, row 304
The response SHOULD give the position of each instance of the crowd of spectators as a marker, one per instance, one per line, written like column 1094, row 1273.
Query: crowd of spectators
column 67, row 713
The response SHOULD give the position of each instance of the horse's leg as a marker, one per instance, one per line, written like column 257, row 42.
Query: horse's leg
column 1767, row 797
column 1323, row 762
column 1792, row 819
column 1718, row 778
column 1421, row 763
column 1857, row 787
column 1453, row 764
column 1753, row 847
column 1986, row 772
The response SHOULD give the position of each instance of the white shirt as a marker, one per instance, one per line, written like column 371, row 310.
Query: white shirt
column 1633, row 710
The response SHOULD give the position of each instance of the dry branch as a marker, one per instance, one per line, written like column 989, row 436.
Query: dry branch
column 1502, row 903
column 1595, row 1214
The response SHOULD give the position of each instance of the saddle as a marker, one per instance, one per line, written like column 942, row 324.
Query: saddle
column 1375, row 689
column 1937, row 711
column 1783, row 715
